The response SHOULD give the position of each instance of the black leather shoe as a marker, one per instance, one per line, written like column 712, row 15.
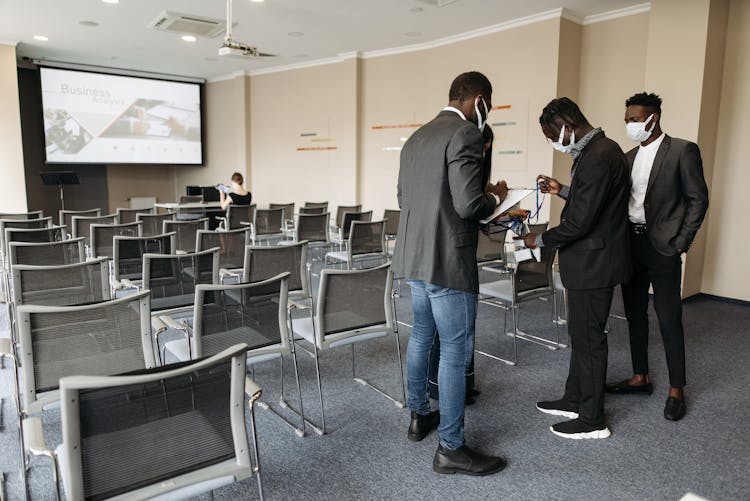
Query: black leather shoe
column 624, row 387
column 465, row 461
column 421, row 425
column 675, row 409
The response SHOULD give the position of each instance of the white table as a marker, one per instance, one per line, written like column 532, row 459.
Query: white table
column 192, row 205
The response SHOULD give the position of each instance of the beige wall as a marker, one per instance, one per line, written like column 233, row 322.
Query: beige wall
column 13, row 185
column 725, row 272
column 227, row 109
column 125, row 181
column 321, row 100
column 413, row 87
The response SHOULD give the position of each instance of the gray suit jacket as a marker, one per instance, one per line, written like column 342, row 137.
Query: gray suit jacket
column 676, row 196
column 442, row 199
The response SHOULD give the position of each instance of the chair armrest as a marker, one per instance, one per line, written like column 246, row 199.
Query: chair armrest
column 158, row 325
column 252, row 390
column 171, row 323
column 33, row 435
column 6, row 347
column 298, row 304
column 223, row 272
column 180, row 252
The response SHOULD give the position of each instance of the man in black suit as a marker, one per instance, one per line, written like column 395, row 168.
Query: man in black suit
column 592, row 239
column 668, row 202
column 442, row 199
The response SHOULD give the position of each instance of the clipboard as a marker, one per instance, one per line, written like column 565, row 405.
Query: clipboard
column 514, row 196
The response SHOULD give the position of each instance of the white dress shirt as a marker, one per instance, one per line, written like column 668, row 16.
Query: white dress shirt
column 644, row 161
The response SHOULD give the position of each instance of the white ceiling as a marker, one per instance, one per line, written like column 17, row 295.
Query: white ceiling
column 122, row 38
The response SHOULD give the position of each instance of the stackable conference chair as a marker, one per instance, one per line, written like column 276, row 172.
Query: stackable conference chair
column 128, row 252
column 186, row 231
column 366, row 242
column 61, row 285
column 491, row 252
column 237, row 215
column 391, row 217
column 313, row 210
column 66, row 216
column 153, row 224
column 191, row 213
column 172, row 279
column 168, row 433
column 102, row 338
column 352, row 306
column 340, row 210
column 81, row 226
column 525, row 281
column 231, row 244
column 313, row 229
column 342, row 235
column 128, row 215
column 267, row 224
column 102, row 236
column 47, row 253
column 288, row 211
column 22, row 215
column 317, row 205
column 22, row 224
column 251, row 313
column 264, row 262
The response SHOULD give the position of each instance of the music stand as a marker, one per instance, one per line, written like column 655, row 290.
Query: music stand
column 60, row 179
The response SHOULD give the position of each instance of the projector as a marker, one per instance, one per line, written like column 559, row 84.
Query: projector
column 237, row 49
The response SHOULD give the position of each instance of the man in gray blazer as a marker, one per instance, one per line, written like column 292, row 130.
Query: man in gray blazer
column 668, row 201
column 442, row 199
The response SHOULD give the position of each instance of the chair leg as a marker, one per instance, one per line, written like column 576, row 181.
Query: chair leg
column 364, row 382
column 320, row 389
column 505, row 330
column 256, row 455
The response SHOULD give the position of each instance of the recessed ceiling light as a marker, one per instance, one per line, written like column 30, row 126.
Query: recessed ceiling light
column 295, row 34
column 41, row 38
column 413, row 33
column 416, row 9
column 111, row 1
column 90, row 24
column 189, row 38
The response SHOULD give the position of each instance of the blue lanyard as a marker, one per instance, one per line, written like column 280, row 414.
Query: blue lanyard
column 516, row 225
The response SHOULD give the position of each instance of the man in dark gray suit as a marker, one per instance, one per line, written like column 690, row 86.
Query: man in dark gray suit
column 668, row 202
column 442, row 199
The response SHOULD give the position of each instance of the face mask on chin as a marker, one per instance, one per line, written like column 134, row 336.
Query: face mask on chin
column 481, row 122
column 565, row 148
column 637, row 130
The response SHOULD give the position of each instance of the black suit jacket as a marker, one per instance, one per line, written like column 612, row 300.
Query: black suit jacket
column 593, row 234
column 442, row 199
column 676, row 196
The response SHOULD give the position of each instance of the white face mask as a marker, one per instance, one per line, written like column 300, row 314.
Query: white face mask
column 481, row 122
column 565, row 148
column 637, row 130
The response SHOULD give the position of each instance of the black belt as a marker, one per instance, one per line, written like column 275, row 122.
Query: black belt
column 638, row 229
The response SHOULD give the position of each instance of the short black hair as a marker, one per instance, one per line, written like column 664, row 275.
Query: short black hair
column 645, row 99
column 565, row 109
column 469, row 84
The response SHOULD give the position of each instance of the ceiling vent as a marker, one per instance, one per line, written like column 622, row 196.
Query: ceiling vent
column 438, row 3
column 187, row 24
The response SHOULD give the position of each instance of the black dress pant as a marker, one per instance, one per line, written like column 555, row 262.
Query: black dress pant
column 587, row 316
column 432, row 370
column 664, row 273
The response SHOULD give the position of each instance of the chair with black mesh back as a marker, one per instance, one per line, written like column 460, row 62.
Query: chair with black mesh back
column 97, row 339
column 168, row 433
column 342, row 235
column 526, row 281
column 288, row 210
column 127, row 215
column 128, row 252
column 352, row 306
column 231, row 244
column 187, row 233
column 538, row 228
column 22, row 215
column 61, row 285
column 317, row 205
column 66, row 216
column 391, row 217
column 491, row 250
column 24, row 224
column 251, row 313
column 81, row 226
column 47, row 253
column 237, row 215
column 313, row 210
column 36, row 235
column 313, row 229
column 102, row 237
column 340, row 210
column 153, row 224
column 366, row 243
column 267, row 224
column 263, row 262
column 189, row 213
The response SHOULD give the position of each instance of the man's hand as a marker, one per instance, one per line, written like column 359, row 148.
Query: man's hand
column 521, row 214
column 500, row 189
column 548, row 184
column 530, row 240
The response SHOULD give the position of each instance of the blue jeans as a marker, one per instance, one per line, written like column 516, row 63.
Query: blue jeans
column 453, row 314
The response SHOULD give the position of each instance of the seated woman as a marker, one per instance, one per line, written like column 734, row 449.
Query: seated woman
column 234, row 195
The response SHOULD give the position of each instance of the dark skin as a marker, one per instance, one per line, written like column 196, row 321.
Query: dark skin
column 546, row 183
column 466, row 106
column 638, row 113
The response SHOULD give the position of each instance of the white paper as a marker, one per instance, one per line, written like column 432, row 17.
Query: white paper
column 514, row 197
